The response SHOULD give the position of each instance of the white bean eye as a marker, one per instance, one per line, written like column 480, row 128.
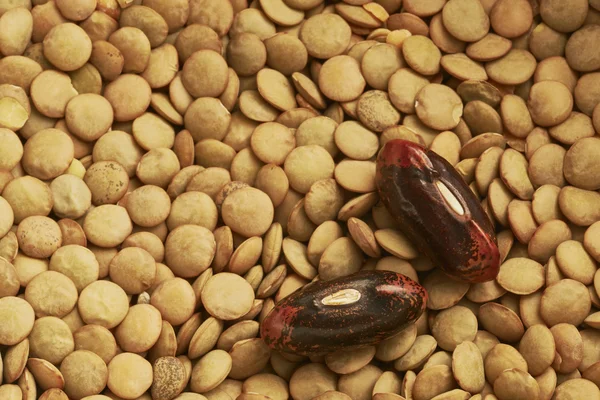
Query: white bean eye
column 342, row 298
column 450, row 199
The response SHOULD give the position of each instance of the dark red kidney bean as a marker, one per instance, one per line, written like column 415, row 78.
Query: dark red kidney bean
column 356, row 310
column 437, row 211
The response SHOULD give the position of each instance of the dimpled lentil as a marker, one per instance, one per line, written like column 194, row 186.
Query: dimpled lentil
column 169, row 170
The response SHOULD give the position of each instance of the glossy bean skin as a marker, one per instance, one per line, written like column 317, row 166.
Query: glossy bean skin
column 463, row 244
column 306, row 322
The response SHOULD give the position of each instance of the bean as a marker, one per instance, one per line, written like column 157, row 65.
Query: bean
column 317, row 318
column 437, row 211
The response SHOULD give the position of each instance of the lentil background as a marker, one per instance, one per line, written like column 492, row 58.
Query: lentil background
column 169, row 169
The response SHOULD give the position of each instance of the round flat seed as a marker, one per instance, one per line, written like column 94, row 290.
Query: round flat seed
column 454, row 326
column 563, row 20
column 210, row 371
column 590, row 241
column 467, row 367
column 516, row 67
column 408, row 22
column 422, row 348
column 529, row 309
column 340, row 79
column 14, row 115
column 275, row 88
column 379, row 62
column 546, row 239
column 319, row 130
column 575, row 127
column 582, row 207
column 511, row 18
column 455, row 12
column 521, row 276
column 462, row 67
column 12, row 149
column 20, row 315
column 479, row 90
column 347, row 362
column 590, row 339
column 546, row 165
column 536, row 139
column 254, row 21
column 397, row 345
column 325, row 35
column 51, row 91
column 538, row 348
column 579, row 162
column 566, row 301
column 205, row 74
column 396, row 243
column 489, row 48
column 516, row 116
column 513, row 171
column 516, row 384
column 323, row 380
column 434, row 380
column 574, row 388
column 423, row 10
column 253, row 106
column 388, row 383
column 376, row 112
column 323, row 201
column 442, row 38
column 586, row 92
column 249, row 357
column 480, row 143
column 480, row 117
column 322, row 237
column 443, row 293
column 120, row 380
column 205, row 337
column 272, row 142
column 575, row 263
column 356, row 176
column 556, row 68
column 309, row 90
column 499, row 197
column 39, row 236
column 46, row 375
column 296, row 256
column 438, row 107
column 521, row 220
column 235, row 299
column 358, row 50
column 486, row 169
column 356, row 141
column 553, row 273
column 545, row 205
column 358, row 16
column 447, row 145
column 286, row 53
column 484, row 292
column 403, row 87
column 301, row 173
column 280, row 13
column 579, row 53
column 340, row 258
column 549, row 103
column 422, row 55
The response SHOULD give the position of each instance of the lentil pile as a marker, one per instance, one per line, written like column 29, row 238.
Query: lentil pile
column 171, row 169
